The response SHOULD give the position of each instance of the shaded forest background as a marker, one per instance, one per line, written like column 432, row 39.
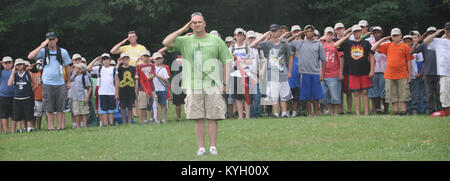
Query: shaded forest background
column 90, row 27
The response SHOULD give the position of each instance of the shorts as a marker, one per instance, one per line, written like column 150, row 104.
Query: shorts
column 346, row 84
column 397, row 90
column 278, row 91
column 379, row 84
column 79, row 108
column 161, row 97
column 54, row 98
column 238, row 92
column 178, row 99
column 142, row 100
column 361, row 82
column 23, row 109
column 38, row 108
column 310, row 87
column 331, row 91
column 126, row 103
column 107, row 104
column 445, row 91
column 6, row 107
column 296, row 93
column 207, row 103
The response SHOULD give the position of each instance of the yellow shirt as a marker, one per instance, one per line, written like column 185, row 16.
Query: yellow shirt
column 133, row 52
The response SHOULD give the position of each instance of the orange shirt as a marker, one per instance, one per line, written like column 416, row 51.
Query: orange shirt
column 38, row 91
column 397, row 60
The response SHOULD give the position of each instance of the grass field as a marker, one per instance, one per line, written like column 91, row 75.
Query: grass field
column 345, row 137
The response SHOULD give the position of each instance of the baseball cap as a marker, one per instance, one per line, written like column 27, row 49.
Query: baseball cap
column 39, row 61
column 27, row 63
column 296, row 27
column 239, row 30
column 112, row 62
column 414, row 32
column 316, row 32
column 328, row 29
column 157, row 55
column 83, row 59
column 407, row 36
column 146, row 52
column 214, row 32
column 396, row 31
column 309, row 26
column 284, row 27
column 356, row 28
column 50, row 35
column 81, row 66
column 19, row 61
column 339, row 25
column 122, row 55
column 75, row 56
column 431, row 28
column 7, row 59
column 106, row 55
column 229, row 39
column 274, row 27
column 447, row 26
column 251, row 34
column 363, row 23
column 377, row 28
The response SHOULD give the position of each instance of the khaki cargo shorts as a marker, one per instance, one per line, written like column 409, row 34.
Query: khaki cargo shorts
column 397, row 90
column 207, row 103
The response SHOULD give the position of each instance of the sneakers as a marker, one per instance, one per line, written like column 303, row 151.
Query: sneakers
column 294, row 114
column 201, row 151
column 213, row 150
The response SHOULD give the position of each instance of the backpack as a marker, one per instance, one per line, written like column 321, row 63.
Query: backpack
column 83, row 79
column 47, row 55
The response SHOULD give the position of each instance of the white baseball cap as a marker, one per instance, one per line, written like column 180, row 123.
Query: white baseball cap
column 309, row 26
column 251, row 34
column 295, row 28
column 316, row 32
column 356, row 28
column 229, row 39
column 106, row 55
column 431, row 28
column 124, row 54
column 146, row 52
column 339, row 25
column 112, row 62
column 214, row 32
column 239, row 30
column 396, row 31
column 328, row 29
column 363, row 23
column 75, row 56
column 7, row 59
column 157, row 55
column 19, row 61
column 407, row 36
column 377, row 28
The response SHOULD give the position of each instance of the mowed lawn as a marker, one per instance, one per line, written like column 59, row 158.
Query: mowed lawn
column 346, row 137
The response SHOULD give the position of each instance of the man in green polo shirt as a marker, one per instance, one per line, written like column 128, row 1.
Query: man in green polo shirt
column 203, row 57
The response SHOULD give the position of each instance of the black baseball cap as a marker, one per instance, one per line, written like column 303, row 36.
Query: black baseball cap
column 50, row 35
column 274, row 27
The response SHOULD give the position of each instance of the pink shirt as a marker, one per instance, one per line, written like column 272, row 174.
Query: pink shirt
column 332, row 68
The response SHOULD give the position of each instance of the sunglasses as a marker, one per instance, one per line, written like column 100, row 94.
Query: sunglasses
column 196, row 13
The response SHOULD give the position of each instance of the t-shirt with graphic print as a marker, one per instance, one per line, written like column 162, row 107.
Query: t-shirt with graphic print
column 126, row 82
column 242, row 52
column 277, row 60
column 357, row 56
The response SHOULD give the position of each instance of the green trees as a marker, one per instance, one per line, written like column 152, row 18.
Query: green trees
column 91, row 27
